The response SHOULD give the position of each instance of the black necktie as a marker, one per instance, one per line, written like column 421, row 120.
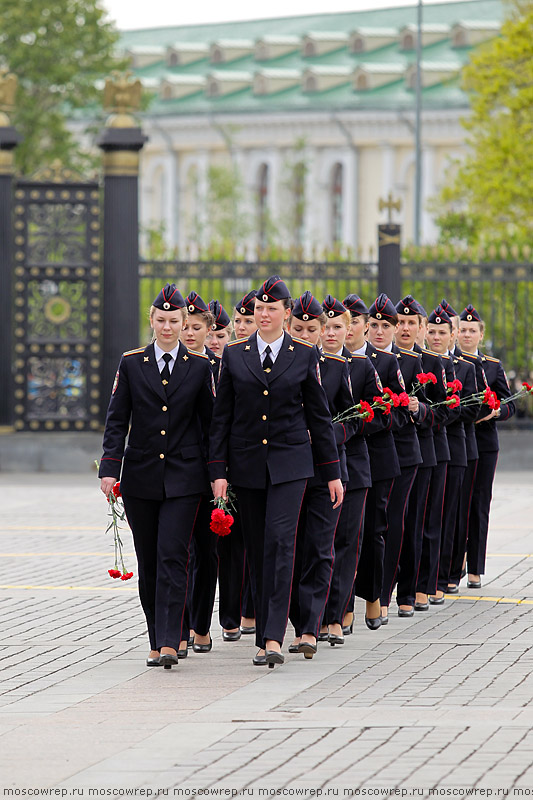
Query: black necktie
column 267, row 361
column 165, row 372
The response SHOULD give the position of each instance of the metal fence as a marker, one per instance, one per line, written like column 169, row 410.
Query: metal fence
column 228, row 281
column 501, row 291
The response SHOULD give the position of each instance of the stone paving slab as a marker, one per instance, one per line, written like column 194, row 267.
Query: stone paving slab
column 440, row 701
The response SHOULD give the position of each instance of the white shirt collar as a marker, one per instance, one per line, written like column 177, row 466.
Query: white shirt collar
column 159, row 355
column 275, row 346
column 361, row 351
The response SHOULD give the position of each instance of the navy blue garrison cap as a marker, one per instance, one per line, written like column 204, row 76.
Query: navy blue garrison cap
column 245, row 306
column 448, row 308
column 220, row 314
column 274, row 288
column 332, row 306
column 195, row 304
column 169, row 298
column 355, row 305
column 307, row 307
column 409, row 307
column 469, row 314
column 439, row 316
column 383, row 308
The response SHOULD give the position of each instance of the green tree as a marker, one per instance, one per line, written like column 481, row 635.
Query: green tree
column 228, row 223
column 58, row 49
column 490, row 198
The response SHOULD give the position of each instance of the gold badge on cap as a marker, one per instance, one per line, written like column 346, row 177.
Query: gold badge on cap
column 331, row 313
column 243, row 310
column 378, row 315
column 305, row 317
column 469, row 317
column 265, row 298
column 191, row 309
column 166, row 306
column 406, row 311
column 438, row 320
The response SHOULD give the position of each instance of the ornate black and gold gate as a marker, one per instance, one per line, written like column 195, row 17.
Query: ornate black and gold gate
column 57, row 303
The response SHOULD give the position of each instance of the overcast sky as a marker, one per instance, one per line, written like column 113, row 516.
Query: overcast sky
column 156, row 13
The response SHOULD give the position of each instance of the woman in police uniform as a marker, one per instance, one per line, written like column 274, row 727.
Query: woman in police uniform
column 163, row 397
column 269, row 401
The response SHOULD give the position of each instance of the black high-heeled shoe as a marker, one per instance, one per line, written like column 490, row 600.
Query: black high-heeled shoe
column 294, row 648
column 333, row 639
column 347, row 629
column 153, row 662
column 167, row 660
column 202, row 648
column 308, row 649
column 322, row 637
column 273, row 657
column 373, row 623
column 231, row 636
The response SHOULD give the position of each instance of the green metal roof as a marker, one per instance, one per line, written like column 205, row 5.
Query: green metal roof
column 392, row 94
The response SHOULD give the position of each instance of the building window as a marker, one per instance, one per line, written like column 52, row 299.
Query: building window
column 408, row 41
column 216, row 55
column 309, row 49
column 358, row 45
column 361, row 83
column 310, row 84
column 336, row 204
column 173, row 59
column 262, row 206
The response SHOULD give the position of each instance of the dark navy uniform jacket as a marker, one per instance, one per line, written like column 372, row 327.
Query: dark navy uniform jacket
column 406, row 438
column 214, row 362
column 166, row 455
column 384, row 462
column 486, row 432
column 432, row 438
column 460, row 425
column 262, row 422
column 365, row 385
column 336, row 384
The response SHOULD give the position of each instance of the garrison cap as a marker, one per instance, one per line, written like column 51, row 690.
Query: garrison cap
column 245, row 306
column 408, row 306
column 307, row 307
column 332, row 306
column 273, row 289
column 382, row 308
column 448, row 308
column 169, row 298
column 220, row 314
column 422, row 311
column 469, row 314
column 195, row 304
column 355, row 305
column 439, row 316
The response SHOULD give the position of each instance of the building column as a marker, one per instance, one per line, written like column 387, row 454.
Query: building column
column 429, row 231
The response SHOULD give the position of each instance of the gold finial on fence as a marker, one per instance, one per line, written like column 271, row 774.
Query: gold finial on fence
column 391, row 205
column 122, row 96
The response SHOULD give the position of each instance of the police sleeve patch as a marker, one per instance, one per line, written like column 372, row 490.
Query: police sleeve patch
column 318, row 375
column 400, row 379
column 506, row 380
column 378, row 382
column 115, row 382
column 444, row 379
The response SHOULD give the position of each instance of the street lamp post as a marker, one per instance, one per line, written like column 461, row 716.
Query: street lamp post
column 418, row 125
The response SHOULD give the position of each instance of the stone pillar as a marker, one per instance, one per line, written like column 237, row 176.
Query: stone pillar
column 121, row 141
column 389, row 274
column 9, row 138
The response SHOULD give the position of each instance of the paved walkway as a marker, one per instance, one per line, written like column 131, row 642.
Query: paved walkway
column 442, row 701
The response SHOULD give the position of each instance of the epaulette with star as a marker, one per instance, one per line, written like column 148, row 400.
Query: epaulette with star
column 132, row 352
column 408, row 352
column 491, row 358
column 335, row 357
column 301, row 341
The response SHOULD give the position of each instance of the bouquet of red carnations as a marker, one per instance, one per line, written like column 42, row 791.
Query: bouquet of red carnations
column 221, row 519
column 117, row 514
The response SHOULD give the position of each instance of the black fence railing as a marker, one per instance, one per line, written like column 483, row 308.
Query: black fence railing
column 501, row 291
column 228, row 281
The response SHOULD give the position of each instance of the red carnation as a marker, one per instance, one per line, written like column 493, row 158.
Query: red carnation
column 403, row 397
column 391, row 396
column 114, row 573
column 367, row 410
column 455, row 386
column 454, row 401
column 221, row 522
column 126, row 576
column 116, row 489
column 528, row 387
column 426, row 377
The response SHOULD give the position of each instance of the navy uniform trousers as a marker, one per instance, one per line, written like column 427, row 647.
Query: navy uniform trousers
column 410, row 458
column 365, row 385
column 428, row 571
column 260, row 441
column 385, row 468
column 234, row 593
column 164, row 474
column 418, row 499
column 313, row 565
column 488, row 447
column 458, row 428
